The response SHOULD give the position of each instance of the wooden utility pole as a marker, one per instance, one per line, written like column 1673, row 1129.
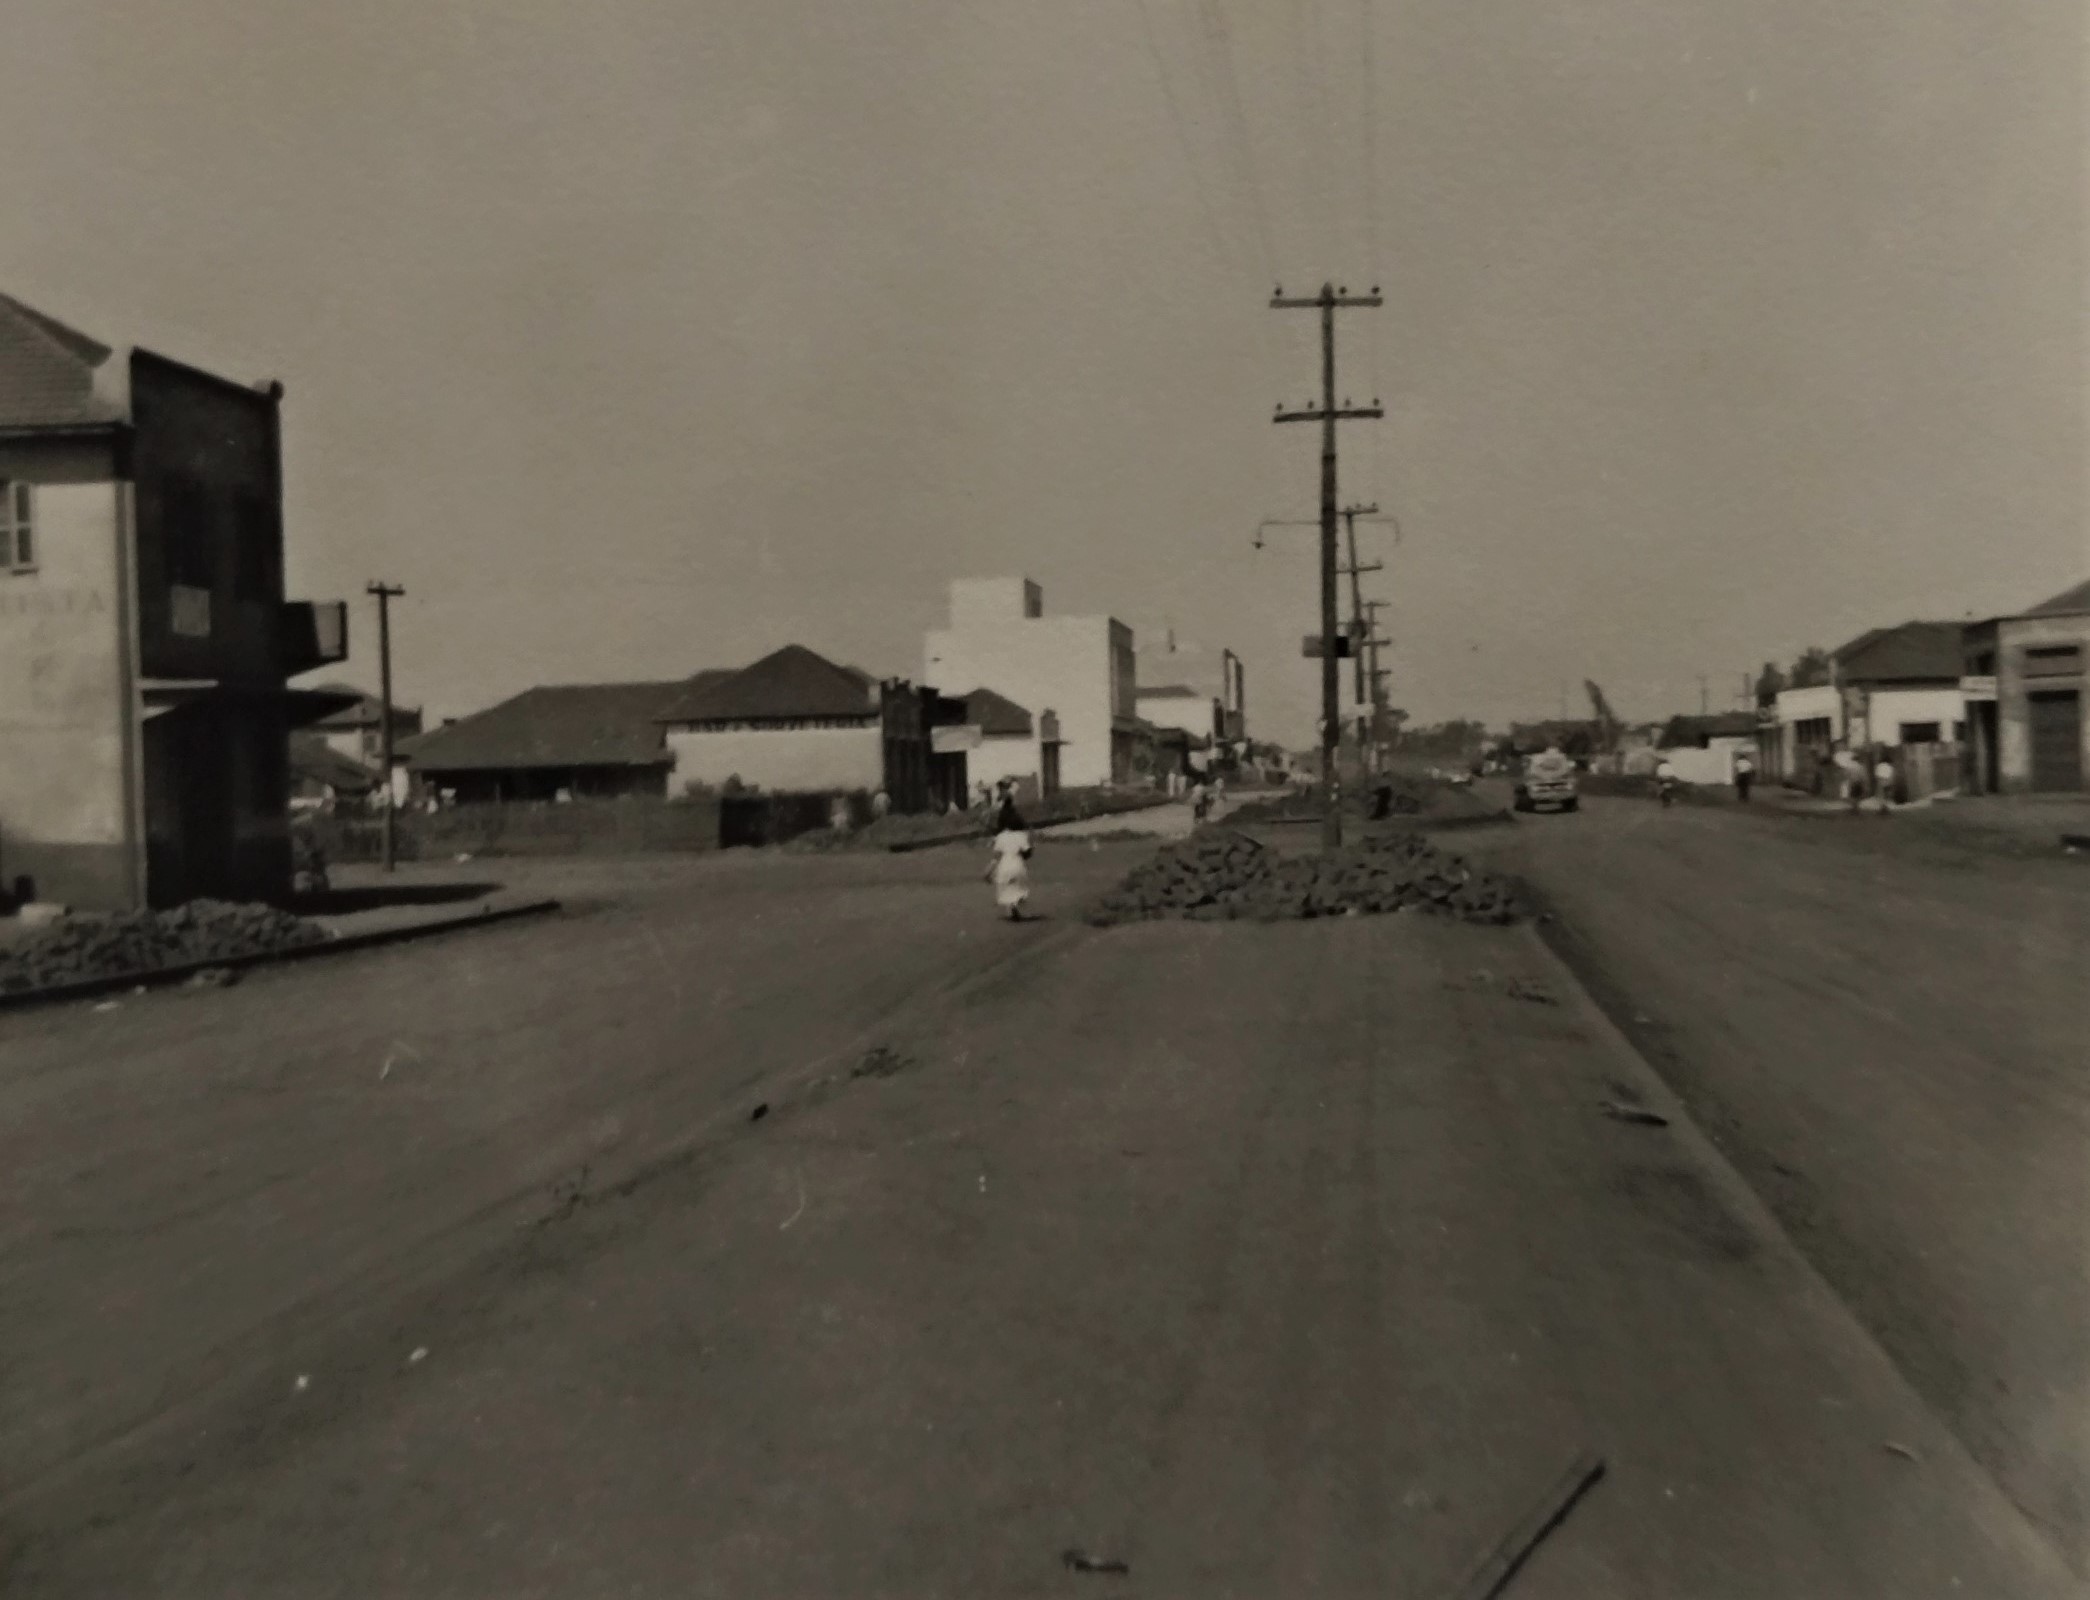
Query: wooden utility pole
column 385, row 594
column 1327, row 302
column 1355, row 572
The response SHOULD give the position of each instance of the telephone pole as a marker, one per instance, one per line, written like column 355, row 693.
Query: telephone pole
column 1350, row 515
column 1327, row 302
column 1378, row 675
column 385, row 594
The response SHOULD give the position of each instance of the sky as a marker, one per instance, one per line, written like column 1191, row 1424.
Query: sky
column 635, row 337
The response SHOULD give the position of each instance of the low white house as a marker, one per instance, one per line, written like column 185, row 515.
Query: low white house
column 1006, row 742
column 1890, row 687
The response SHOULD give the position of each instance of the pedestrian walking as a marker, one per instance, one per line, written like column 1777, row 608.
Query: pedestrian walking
column 1851, row 775
column 1744, row 776
column 1009, row 871
column 1883, row 782
column 1200, row 801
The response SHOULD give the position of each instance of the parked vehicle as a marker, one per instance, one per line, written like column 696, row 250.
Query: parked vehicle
column 1548, row 784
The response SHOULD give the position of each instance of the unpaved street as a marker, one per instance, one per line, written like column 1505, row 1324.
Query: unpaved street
column 1269, row 1260
column 1889, row 1035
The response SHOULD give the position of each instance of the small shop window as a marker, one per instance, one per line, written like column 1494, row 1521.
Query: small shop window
column 17, row 527
column 1919, row 733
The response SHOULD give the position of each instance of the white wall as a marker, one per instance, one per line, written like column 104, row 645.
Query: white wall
column 1192, row 714
column 1807, row 705
column 1890, row 708
column 1714, row 764
column 1004, row 756
column 65, row 710
column 1058, row 664
column 785, row 760
column 989, row 602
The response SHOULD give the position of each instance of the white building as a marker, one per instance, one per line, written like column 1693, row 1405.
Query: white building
column 1892, row 687
column 1003, row 742
column 1079, row 671
column 1177, row 706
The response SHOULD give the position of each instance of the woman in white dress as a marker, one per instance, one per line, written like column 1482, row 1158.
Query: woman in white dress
column 1010, row 870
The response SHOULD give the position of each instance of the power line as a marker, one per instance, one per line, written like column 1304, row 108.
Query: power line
column 1175, row 114
column 1219, row 52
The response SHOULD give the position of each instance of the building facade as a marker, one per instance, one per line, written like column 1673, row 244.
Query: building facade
column 567, row 741
column 145, row 641
column 1080, row 669
column 796, row 723
column 1004, row 743
column 2025, row 691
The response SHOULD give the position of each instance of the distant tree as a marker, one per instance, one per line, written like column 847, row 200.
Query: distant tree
column 1768, row 684
column 1810, row 671
column 1682, row 733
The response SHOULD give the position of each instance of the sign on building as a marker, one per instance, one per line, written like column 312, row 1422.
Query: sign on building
column 1981, row 688
column 955, row 737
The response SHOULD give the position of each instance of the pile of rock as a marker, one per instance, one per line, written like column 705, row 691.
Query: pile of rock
column 78, row 948
column 1224, row 876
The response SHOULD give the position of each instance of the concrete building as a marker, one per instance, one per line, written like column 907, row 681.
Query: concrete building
column 796, row 723
column 145, row 642
column 1080, row 669
column 2023, row 682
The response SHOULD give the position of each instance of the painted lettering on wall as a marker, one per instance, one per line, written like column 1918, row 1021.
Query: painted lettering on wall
column 41, row 602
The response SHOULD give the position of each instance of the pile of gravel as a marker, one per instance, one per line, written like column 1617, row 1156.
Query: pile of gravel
column 75, row 949
column 1224, row 876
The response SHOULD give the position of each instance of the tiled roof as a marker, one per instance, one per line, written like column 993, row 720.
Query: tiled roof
column 1170, row 691
column 2067, row 603
column 47, row 371
column 314, row 760
column 786, row 685
column 558, row 725
column 997, row 716
column 367, row 712
column 1912, row 652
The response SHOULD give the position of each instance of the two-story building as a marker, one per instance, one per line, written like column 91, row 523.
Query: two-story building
column 1078, row 670
column 145, row 642
column 2024, row 688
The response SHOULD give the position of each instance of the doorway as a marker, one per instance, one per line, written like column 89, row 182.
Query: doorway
column 2056, row 718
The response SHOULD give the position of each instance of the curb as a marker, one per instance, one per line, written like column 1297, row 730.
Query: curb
column 1039, row 828
column 162, row 977
column 1600, row 1000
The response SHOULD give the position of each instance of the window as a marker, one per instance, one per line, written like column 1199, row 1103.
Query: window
column 17, row 527
column 2053, row 660
column 1919, row 733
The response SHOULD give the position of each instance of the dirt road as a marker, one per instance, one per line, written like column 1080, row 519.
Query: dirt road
column 1269, row 1260
column 1889, row 1034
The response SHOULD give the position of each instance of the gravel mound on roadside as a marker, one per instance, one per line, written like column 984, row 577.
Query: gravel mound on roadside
column 77, row 948
column 1225, row 876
